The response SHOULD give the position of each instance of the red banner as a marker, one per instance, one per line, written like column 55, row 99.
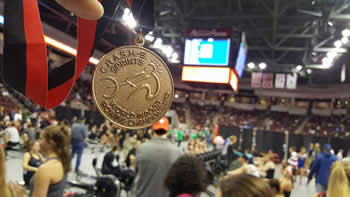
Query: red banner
column 267, row 80
column 256, row 80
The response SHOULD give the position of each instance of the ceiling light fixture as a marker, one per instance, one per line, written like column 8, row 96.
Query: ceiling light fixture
column 346, row 32
column 345, row 40
column 299, row 68
column 262, row 65
column 308, row 71
column 158, row 43
column 251, row 65
column 338, row 43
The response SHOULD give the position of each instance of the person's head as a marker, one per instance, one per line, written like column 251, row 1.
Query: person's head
column 136, row 143
column 33, row 146
column 233, row 139
column 275, row 187
column 311, row 146
column 317, row 146
column 161, row 127
column 2, row 109
column 327, row 148
column 339, row 179
column 291, row 149
column 55, row 140
column 115, row 148
column 187, row 175
column 243, row 159
column 341, row 151
column 243, row 185
column 302, row 150
column 127, row 135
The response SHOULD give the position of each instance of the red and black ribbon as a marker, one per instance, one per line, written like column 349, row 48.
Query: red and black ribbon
column 25, row 56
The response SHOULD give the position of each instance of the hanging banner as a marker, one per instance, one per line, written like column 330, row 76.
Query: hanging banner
column 267, row 80
column 280, row 80
column 292, row 81
column 256, row 80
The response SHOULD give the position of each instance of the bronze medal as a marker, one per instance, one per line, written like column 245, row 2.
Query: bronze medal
column 132, row 86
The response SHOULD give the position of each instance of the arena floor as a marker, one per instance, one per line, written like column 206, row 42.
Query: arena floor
column 14, row 170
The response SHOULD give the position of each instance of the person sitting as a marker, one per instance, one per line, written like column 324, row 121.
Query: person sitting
column 11, row 136
column 187, row 177
column 267, row 170
column 246, row 168
column 286, row 179
column 243, row 185
column 107, row 165
column 31, row 161
column 126, row 176
column 130, row 158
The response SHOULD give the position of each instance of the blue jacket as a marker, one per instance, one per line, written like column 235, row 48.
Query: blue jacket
column 322, row 167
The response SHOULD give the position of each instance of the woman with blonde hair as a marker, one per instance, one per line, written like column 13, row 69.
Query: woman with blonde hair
column 339, row 180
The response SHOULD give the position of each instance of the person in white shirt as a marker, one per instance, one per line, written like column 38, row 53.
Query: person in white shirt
column 11, row 136
column 340, row 154
column 18, row 115
column 246, row 168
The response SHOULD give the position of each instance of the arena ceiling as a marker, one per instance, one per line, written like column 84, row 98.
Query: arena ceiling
column 282, row 33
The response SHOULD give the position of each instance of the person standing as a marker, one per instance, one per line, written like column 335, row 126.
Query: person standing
column 322, row 166
column 180, row 137
column 301, row 164
column 79, row 134
column 153, row 161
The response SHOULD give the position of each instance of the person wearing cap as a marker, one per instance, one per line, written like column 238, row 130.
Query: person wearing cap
column 153, row 161
column 322, row 167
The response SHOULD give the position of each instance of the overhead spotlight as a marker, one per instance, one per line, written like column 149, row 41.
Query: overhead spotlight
column 332, row 54
column 299, row 68
column 308, row 71
column 345, row 40
column 262, row 65
column 327, row 61
column 174, row 58
column 176, row 96
column 338, row 43
column 128, row 18
column 167, row 50
column 346, row 32
column 330, row 23
column 149, row 37
column 158, row 43
column 251, row 65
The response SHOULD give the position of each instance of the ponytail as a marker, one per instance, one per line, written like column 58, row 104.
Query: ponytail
column 60, row 136
column 338, row 180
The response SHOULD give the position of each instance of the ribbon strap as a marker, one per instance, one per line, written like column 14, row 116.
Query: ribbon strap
column 25, row 56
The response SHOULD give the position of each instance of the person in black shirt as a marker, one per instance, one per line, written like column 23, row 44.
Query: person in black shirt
column 130, row 158
column 107, row 164
column 31, row 161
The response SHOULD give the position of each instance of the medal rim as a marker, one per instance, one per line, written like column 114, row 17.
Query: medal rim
column 94, row 94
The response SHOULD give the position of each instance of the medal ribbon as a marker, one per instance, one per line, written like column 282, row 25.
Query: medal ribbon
column 25, row 56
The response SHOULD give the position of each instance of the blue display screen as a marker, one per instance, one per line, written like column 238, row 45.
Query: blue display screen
column 241, row 60
column 207, row 52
